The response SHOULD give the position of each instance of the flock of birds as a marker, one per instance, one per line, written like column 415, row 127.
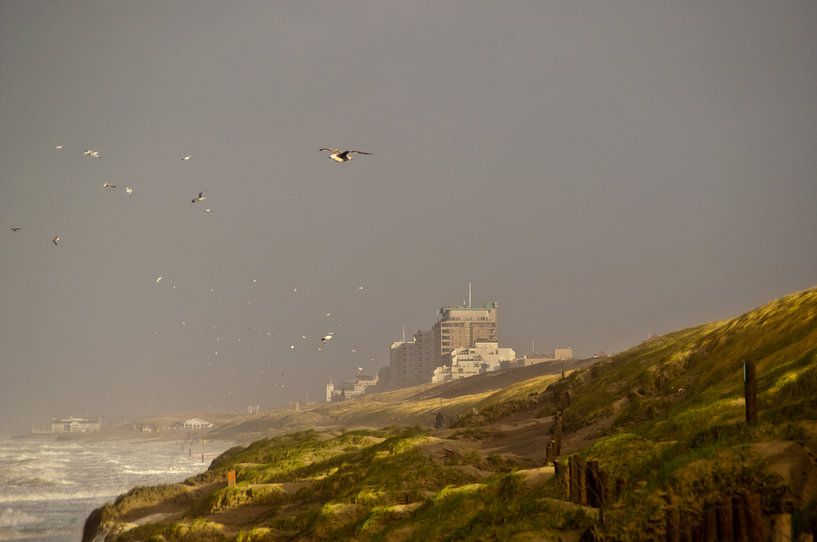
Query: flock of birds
column 336, row 155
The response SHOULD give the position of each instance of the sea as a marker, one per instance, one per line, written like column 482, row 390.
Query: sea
column 48, row 486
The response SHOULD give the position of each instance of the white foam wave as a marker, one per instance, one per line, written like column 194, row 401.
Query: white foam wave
column 9, row 517
column 34, row 477
column 29, row 534
column 55, row 496
column 148, row 472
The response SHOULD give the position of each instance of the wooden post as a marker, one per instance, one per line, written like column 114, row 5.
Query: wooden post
column 754, row 517
column 549, row 456
column 621, row 483
column 230, row 478
column 604, row 487
column 750, row 391
column 724, row 512
column 557, row 421
column 594, row 497
column 582, row 482
column 574, row 479
column 686, row 527
column 560, row 467
column 710, row 524
column 739, row 521
column 673, row 524
column 781, row 528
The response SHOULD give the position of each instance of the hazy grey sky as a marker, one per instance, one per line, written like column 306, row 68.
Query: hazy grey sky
column 602, row 170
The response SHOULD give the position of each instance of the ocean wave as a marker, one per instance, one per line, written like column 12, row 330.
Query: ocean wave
column 34, row 477
column 46, row 496
column 29, row 534
column 9, row 517
column 148, row 472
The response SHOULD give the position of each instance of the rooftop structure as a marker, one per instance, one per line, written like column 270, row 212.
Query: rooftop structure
column 464, row 362
column 195, row 424
column 75, row 425
column 350, row 388
column 413, row 361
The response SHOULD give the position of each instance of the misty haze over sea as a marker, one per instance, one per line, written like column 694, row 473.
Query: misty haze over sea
column 48, row 487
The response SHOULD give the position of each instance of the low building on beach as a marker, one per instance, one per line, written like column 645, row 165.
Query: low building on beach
column 194, row 424
column 75, row 425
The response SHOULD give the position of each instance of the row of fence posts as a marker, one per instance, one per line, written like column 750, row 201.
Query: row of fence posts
column 554, row 445
column 584, row 483
column 732, row 518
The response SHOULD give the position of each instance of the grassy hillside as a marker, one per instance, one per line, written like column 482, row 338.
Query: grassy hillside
column 665, row 421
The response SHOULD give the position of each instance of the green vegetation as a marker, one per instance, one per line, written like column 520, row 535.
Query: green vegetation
column 665, row 420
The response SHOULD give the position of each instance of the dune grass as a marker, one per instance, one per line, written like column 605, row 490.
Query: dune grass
column 674, row 430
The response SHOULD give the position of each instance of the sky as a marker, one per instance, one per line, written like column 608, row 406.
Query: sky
column 602, row 170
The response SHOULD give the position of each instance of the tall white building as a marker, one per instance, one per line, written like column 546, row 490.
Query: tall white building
column 413, row 362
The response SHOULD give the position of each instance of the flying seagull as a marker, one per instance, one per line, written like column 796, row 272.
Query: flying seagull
column 16, row 228
column 92, row 153
column 186, row 157
column 328, row 337
column 200, row 197
column 342, row 156
column 59, row 147
column 129, row 190
column 106, row 184
column 56, row 240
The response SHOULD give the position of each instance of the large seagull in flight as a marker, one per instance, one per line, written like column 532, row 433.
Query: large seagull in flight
column 342, row 156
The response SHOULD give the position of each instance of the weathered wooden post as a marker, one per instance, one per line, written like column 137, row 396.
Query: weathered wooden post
column 594, row 497
column 754, row 517
column 581, row 468
column 781, row 528
column 673, row 524
column 574, row 479
column 739, row 521
column 560, row 469
column 604, row 487
column 685, row 527
column 549, row 455
column 750, row 391
column 710, row 524
column 724, row 511
column 621, row 483
column 557, row 421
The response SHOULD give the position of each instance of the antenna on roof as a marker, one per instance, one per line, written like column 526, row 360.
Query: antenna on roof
column 533, row 346
column 469, row 294
column 404, row 333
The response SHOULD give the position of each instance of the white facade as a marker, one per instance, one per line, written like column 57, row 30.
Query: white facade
column 75, row 425
column 464, row 362
column 350, row 388
column 196, row 423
